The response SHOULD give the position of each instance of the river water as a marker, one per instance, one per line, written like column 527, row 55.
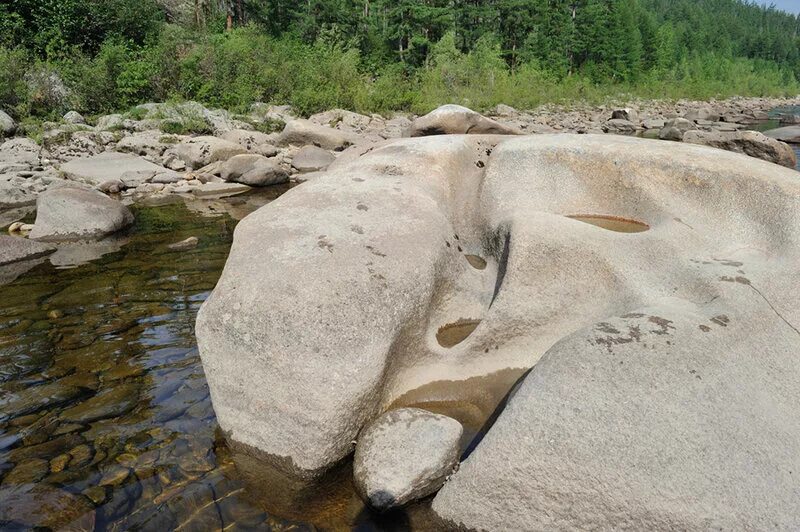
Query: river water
column 105, row 417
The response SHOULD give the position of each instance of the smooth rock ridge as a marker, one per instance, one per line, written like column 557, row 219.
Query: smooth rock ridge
column 405, row 455
column 454, row 119
column 750, row 143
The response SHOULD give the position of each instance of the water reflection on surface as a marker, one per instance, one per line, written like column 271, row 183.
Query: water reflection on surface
column 105, row 417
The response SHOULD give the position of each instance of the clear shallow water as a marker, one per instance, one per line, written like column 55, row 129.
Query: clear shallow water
column 106, row 421
column 105, row 417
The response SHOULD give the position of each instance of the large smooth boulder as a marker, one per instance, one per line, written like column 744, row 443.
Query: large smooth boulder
column 750, row 143
column 454, row 119
column 404, row 456
column 670, row 417
column 430, row 266
column 790, row 134
column 7, row 125
column 15, row 249
column 253, row 170
column 304, row 133
column 197, row 152
column 69, row 214
column 112, row 166
column 311, row 159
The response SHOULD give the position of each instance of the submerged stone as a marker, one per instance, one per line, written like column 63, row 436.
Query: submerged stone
column 112, row 402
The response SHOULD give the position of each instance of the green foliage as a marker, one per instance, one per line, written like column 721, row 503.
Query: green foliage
column 99, row 56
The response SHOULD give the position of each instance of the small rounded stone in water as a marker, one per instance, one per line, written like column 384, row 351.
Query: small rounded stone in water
column 114, row 476
column 59, row 463
column 96, row 494
column 55, row 314
column 183, row 245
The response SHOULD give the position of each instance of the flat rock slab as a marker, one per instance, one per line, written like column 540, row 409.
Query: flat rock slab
column 16, row 249
column 312, row 159
column 405, row 455
column 253, row 170
column 70, row 214
column 219, row 190
column 303, row 133
column 13, row 197
column 110, row 166
column 458, row 120
column 112, row 402
column 790, row 134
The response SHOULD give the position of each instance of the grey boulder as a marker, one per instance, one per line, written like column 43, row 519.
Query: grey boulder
column 405, row 455
column 675, row 128
column 7, row 125
column 619, row 125
column 790, row 134
column 670, row 417
column 74, row 117
column 15, row 249
column 455, row 119
column 111, row 166
column 250, row 140
column 200, row 151
column 312, row 159
column 253, row 170
column 750, row 143
column 625, row 114
column 151, row 144
column 303, row 133
column 69, row 214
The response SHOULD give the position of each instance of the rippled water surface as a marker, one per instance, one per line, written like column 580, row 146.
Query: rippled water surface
column 105, row 417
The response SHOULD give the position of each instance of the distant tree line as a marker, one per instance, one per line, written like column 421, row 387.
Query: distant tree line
column 404, row 53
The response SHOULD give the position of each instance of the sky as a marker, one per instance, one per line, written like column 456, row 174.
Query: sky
column 792, row 6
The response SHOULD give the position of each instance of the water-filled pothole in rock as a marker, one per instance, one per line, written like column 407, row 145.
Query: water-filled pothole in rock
column 473, row 401
column 479, row 263
column 453, row 334
column 612, row 223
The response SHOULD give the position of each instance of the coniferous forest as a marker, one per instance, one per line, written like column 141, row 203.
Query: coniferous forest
column 100, row 56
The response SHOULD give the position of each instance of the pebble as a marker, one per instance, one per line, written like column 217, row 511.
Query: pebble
column 59, row 463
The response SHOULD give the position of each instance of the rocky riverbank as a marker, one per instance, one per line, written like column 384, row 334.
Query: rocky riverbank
column 161, row 149
column 436, row 287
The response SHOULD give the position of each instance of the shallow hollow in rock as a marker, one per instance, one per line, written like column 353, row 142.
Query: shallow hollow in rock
column 452, row 334
column 479, row 263
column 612, row 223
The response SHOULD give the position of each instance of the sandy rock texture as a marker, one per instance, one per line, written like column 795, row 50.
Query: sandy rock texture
column 649, row 285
